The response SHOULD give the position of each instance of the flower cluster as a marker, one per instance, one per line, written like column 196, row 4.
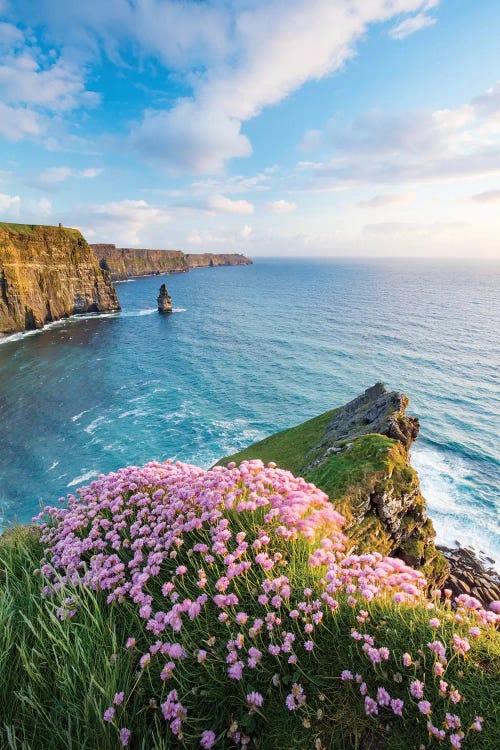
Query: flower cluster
column 236, row 571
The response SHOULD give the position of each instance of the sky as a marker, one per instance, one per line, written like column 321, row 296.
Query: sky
column 342, row 128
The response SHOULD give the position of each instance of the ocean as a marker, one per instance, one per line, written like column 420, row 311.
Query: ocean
column 252, row 350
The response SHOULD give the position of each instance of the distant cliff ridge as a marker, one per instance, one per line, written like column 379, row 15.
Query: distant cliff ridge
column 48, row 273
column 123, row 262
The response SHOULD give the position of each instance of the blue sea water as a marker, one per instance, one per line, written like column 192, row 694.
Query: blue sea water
column 252, row 350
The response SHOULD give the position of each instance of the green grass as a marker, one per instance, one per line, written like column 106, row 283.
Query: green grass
column 57, row 678
column 289, row 448
column 32, row 230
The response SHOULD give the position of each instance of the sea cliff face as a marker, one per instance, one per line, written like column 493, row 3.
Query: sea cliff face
column 359, row 455
column 123, row 262
column 48, row 273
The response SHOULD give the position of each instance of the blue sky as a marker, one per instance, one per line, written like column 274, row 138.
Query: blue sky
column 277, row 127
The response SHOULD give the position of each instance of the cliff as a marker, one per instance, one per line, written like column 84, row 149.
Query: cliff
column 359, row 455
column 123, row 262
column 48, row 273
column 209, row 260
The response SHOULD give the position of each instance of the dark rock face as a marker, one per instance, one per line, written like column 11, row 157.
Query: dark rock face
column 471, row 575
column 164, row 300
column 48, row 273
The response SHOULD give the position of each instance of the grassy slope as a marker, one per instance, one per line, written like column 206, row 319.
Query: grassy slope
column 56, row 678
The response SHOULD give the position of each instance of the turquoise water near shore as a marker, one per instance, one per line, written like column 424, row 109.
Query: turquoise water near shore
column 252, row 350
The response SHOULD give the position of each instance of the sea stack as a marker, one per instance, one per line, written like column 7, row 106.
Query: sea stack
column 164, row 300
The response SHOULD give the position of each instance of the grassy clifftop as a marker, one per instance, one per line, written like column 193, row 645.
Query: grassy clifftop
column 365, row 473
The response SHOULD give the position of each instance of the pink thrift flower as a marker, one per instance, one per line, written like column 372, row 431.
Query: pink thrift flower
column 125, row 735
column 434, row 623
column 109, row 714
column 208, row 738
column 118, row 699
column 397, row 706
column 456, row 741
column 383, row 697
column 417, row 689
column 346, row 675
column 254, row 700
column 424, row 707
column 130, row 643
column 371, row 708
column 406, row 660
column 309, row 645
column 475, row 632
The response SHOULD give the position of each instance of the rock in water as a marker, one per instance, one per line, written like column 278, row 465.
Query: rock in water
column 164, row 300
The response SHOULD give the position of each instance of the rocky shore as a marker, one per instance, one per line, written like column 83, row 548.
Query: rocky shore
column 48, row 273
column 125, row 262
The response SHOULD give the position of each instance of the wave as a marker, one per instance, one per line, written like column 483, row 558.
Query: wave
column 83, row 478
column 56, row 324
column 460, row 515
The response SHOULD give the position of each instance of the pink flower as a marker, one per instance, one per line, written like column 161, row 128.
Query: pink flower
column 371, row 708
column 125, row 735
column 406, row 660
column 346, row 675
column 434, row 623
column 417, row 689
column 424, row 707
column 118, row 699
column 397, row 706
column 309, row 645
column 477, row 724
column 383, row 697
column 208, row 738
column 254, row 700
column 130, row 643
column 475, row 632
column 455, row 740
column 109, row 714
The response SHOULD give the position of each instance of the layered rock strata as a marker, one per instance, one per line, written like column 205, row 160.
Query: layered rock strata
column 48, row 273
column 125, row 262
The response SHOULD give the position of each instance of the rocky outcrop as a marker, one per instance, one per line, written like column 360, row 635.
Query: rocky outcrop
column 164, row 300
column 124, row 262
column 359, row 455
column 48, row 273
column 471, row 575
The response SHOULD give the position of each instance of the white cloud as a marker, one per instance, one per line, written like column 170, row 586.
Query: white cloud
column 411, row 25
column 36, row 88
column 122, row 222
column 246, row 231
column 488, row 196
column 223, row 205
column 422, row 146
column 17, row 122
column 311, row 140
column 281, row 207
column 275, row 48
column 9, row 204
column 49, row 178
column 384, row 201
column 236, row 57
